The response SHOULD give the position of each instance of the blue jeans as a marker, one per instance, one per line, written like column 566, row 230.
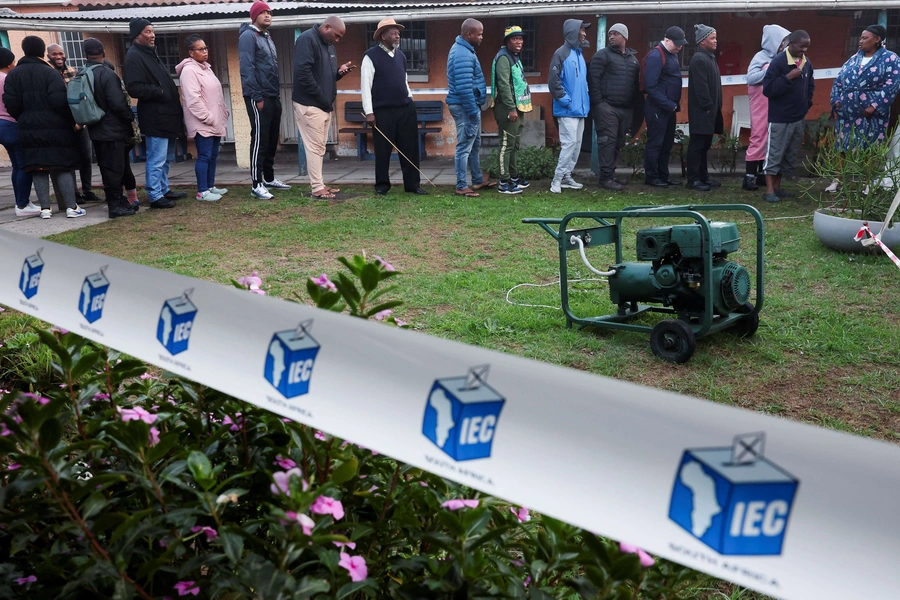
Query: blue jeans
column 160, row 152
column 205, row 167
column 21, row 181
column 468, row 143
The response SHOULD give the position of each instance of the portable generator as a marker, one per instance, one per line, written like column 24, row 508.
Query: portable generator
column 682, row 269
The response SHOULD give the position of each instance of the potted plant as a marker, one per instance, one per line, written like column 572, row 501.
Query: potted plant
column 868, row 181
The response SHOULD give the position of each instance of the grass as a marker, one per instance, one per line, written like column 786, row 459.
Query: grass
column 824, row 352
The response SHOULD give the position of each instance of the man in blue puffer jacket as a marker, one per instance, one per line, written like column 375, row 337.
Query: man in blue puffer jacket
column 467, row 93
column 571, row 102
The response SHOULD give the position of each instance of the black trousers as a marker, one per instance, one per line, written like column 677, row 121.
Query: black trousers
column 84, row 155
column 660, row 139
column 697, row 152
column 400, row 126
column 265, row 126
column 111, row 157
column 611, row 122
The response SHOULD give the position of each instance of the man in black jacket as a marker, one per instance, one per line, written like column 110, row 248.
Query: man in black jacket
column 159, row 110
column 315, row 88
column 704, row 107
column 110, row 132
column 662, row 81
column 613, row 77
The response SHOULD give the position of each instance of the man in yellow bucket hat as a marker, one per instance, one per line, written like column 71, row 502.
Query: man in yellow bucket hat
column 511, row 99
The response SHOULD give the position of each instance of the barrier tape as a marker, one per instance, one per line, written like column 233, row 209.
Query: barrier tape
column 790, row 510
column 865, row 237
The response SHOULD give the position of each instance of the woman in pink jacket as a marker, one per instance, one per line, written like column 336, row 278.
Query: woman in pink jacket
column 205, row 114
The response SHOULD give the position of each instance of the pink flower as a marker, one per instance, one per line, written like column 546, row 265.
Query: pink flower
column 251, row 280
column 527, row 581
column 328, row 506
column 282, row 481
column 646, row 559
column 101, row 397
column 351, row 545
column 208, row 531
column 59, row 330
column 154, row 437
column 235, row 424
column 458, row 503
column 137, row 414
column 423, row 483
column 187, row 587
column 323, row 282
column 356, row 565
column 319, row 435
column 32, row 579
column 384, row 264
column 521, row 514
column 305, row 521
column 37, row 398
column 146, row 376
column 400, row 323
column 284, row 463
column 862, row 96
column 380, row 315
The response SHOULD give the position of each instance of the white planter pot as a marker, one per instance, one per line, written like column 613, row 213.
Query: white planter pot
column 837, row 232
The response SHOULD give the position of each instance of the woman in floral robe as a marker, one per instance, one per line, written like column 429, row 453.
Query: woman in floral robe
column 864, row 90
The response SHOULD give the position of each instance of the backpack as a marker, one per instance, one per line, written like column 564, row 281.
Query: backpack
column 662, row 56
column 80, row 94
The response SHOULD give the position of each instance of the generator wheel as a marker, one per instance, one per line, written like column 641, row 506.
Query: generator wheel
column 673, row 341
column 746, row 326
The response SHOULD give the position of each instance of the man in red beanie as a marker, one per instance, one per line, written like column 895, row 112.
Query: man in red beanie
column 259, row 80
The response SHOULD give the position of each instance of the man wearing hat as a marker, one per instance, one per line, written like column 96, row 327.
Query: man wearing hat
column 613, row 78
column 571, row 102
column 662, row 81
column 388, row 104
column 511, row 99
column 259, row 82
column 704, row 107
column 159, row 110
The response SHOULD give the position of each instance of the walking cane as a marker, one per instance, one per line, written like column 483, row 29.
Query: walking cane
column 400, row 153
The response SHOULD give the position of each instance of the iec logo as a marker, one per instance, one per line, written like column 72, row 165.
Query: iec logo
column 93, row 295
column 175, row 320
column 290, row 359
column 31, row 274
column 462, row 413
column 733, row 499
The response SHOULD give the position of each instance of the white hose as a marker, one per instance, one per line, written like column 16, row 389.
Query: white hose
column 577, row 240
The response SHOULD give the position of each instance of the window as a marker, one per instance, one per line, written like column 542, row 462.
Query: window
column 167, row 47
column 658, row 24
column 529, row 45
column 864, row 18
column 413, row 44
column 71, row 45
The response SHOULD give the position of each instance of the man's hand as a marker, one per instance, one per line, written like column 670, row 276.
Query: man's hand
column 513, row 115
column 370, row 118
column 260, row 104
column 794, row 73
column 870, row 110
column 346, row 68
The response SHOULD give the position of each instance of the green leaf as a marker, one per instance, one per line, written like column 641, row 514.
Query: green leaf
column 348, row 290
column 94, row 504
column 87, row 362
column 50, row 434
column 65, row 359
column 351, row 587
column 310, row 587
column 384, row 306
column 200, row 469
column 233, row 544
column 345, row 471
column 369, row 277
column 313, row 290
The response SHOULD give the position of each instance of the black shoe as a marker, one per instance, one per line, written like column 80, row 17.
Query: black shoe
column 671, row 181
column 418, row 192
column 90, row 196
column 163, row 203
column 381, row 192
column 79, row 198
column 173, row 195
column 713, row 183
column 612, row 184
column 698, row 186
column 656, row 182
column 621, row 180
column 750, row 183
column 760, row 179
column 118, row 209
column 784, row 194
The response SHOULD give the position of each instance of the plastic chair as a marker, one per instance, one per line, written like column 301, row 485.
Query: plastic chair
column 740, row 118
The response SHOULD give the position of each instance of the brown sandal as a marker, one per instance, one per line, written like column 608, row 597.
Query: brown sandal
column 333, row 190
column 324, row 195
column 487, row 184
column 467, row 193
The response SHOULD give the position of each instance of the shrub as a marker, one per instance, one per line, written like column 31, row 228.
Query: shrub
column 533, row 163
column 632, row 153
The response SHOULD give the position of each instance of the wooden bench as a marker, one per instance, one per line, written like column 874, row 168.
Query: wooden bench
column 427, row 111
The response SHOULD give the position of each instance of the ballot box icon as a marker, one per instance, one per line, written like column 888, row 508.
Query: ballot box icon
column 462, row 414
column 93, row 295
column 176, row 320
column 734, row 499
column 30, row 278
column 290, row 358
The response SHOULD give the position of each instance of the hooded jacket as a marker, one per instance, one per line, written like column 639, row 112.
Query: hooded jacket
column 115, row 125
column 772, row 37
column 704, row 94
column 148, row 80
column 465, row 79
column 613, row 77
column 202, row 99
column 259, row 63
column 315, row 71
column 568, row 75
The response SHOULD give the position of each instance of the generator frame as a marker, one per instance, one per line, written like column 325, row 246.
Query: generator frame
column 609, row 231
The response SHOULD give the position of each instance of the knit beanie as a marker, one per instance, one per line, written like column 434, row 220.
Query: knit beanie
column 701, row 32
column 6, row 58
column 33, row 46
column 92, row 47
column 620, row 29
column 137, row 25
column 256, row 9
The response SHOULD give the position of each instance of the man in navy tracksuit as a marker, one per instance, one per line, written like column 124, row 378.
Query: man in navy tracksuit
column 789, row 86
column 663, row 84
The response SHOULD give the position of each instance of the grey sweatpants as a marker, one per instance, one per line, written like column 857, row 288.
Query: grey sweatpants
column 63, row 185
column 783, row 148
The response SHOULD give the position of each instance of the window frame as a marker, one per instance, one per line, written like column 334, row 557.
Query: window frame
column 528, row 55
column 70, row 41
column 657, row 24
column 415, row 33
column 168, row 59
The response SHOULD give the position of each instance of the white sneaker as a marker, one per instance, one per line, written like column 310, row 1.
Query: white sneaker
column 74, row 212
column 46, row 213
column 30, row 210
column 261, row 192
column 277, row 185
column 833, row 187
column 569, row 183
column 219, row 191
column 556, row 186
column 208, row 196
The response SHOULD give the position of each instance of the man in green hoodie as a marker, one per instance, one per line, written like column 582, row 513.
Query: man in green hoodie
column 511, row 99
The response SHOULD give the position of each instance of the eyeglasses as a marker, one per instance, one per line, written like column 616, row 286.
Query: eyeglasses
column 203, row 49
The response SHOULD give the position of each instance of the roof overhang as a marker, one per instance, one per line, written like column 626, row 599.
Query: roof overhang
column 304, row 14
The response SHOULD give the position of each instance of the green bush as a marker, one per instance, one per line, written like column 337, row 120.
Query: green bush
column 533, row 163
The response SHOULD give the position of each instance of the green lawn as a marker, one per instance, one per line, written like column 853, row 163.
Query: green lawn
column 825, row 352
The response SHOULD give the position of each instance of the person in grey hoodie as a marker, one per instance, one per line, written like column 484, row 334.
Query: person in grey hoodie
column 571, row 102
column 259, row 82
column 774, row 38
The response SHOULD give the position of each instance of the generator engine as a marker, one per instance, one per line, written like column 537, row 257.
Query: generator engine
column 673, row 272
